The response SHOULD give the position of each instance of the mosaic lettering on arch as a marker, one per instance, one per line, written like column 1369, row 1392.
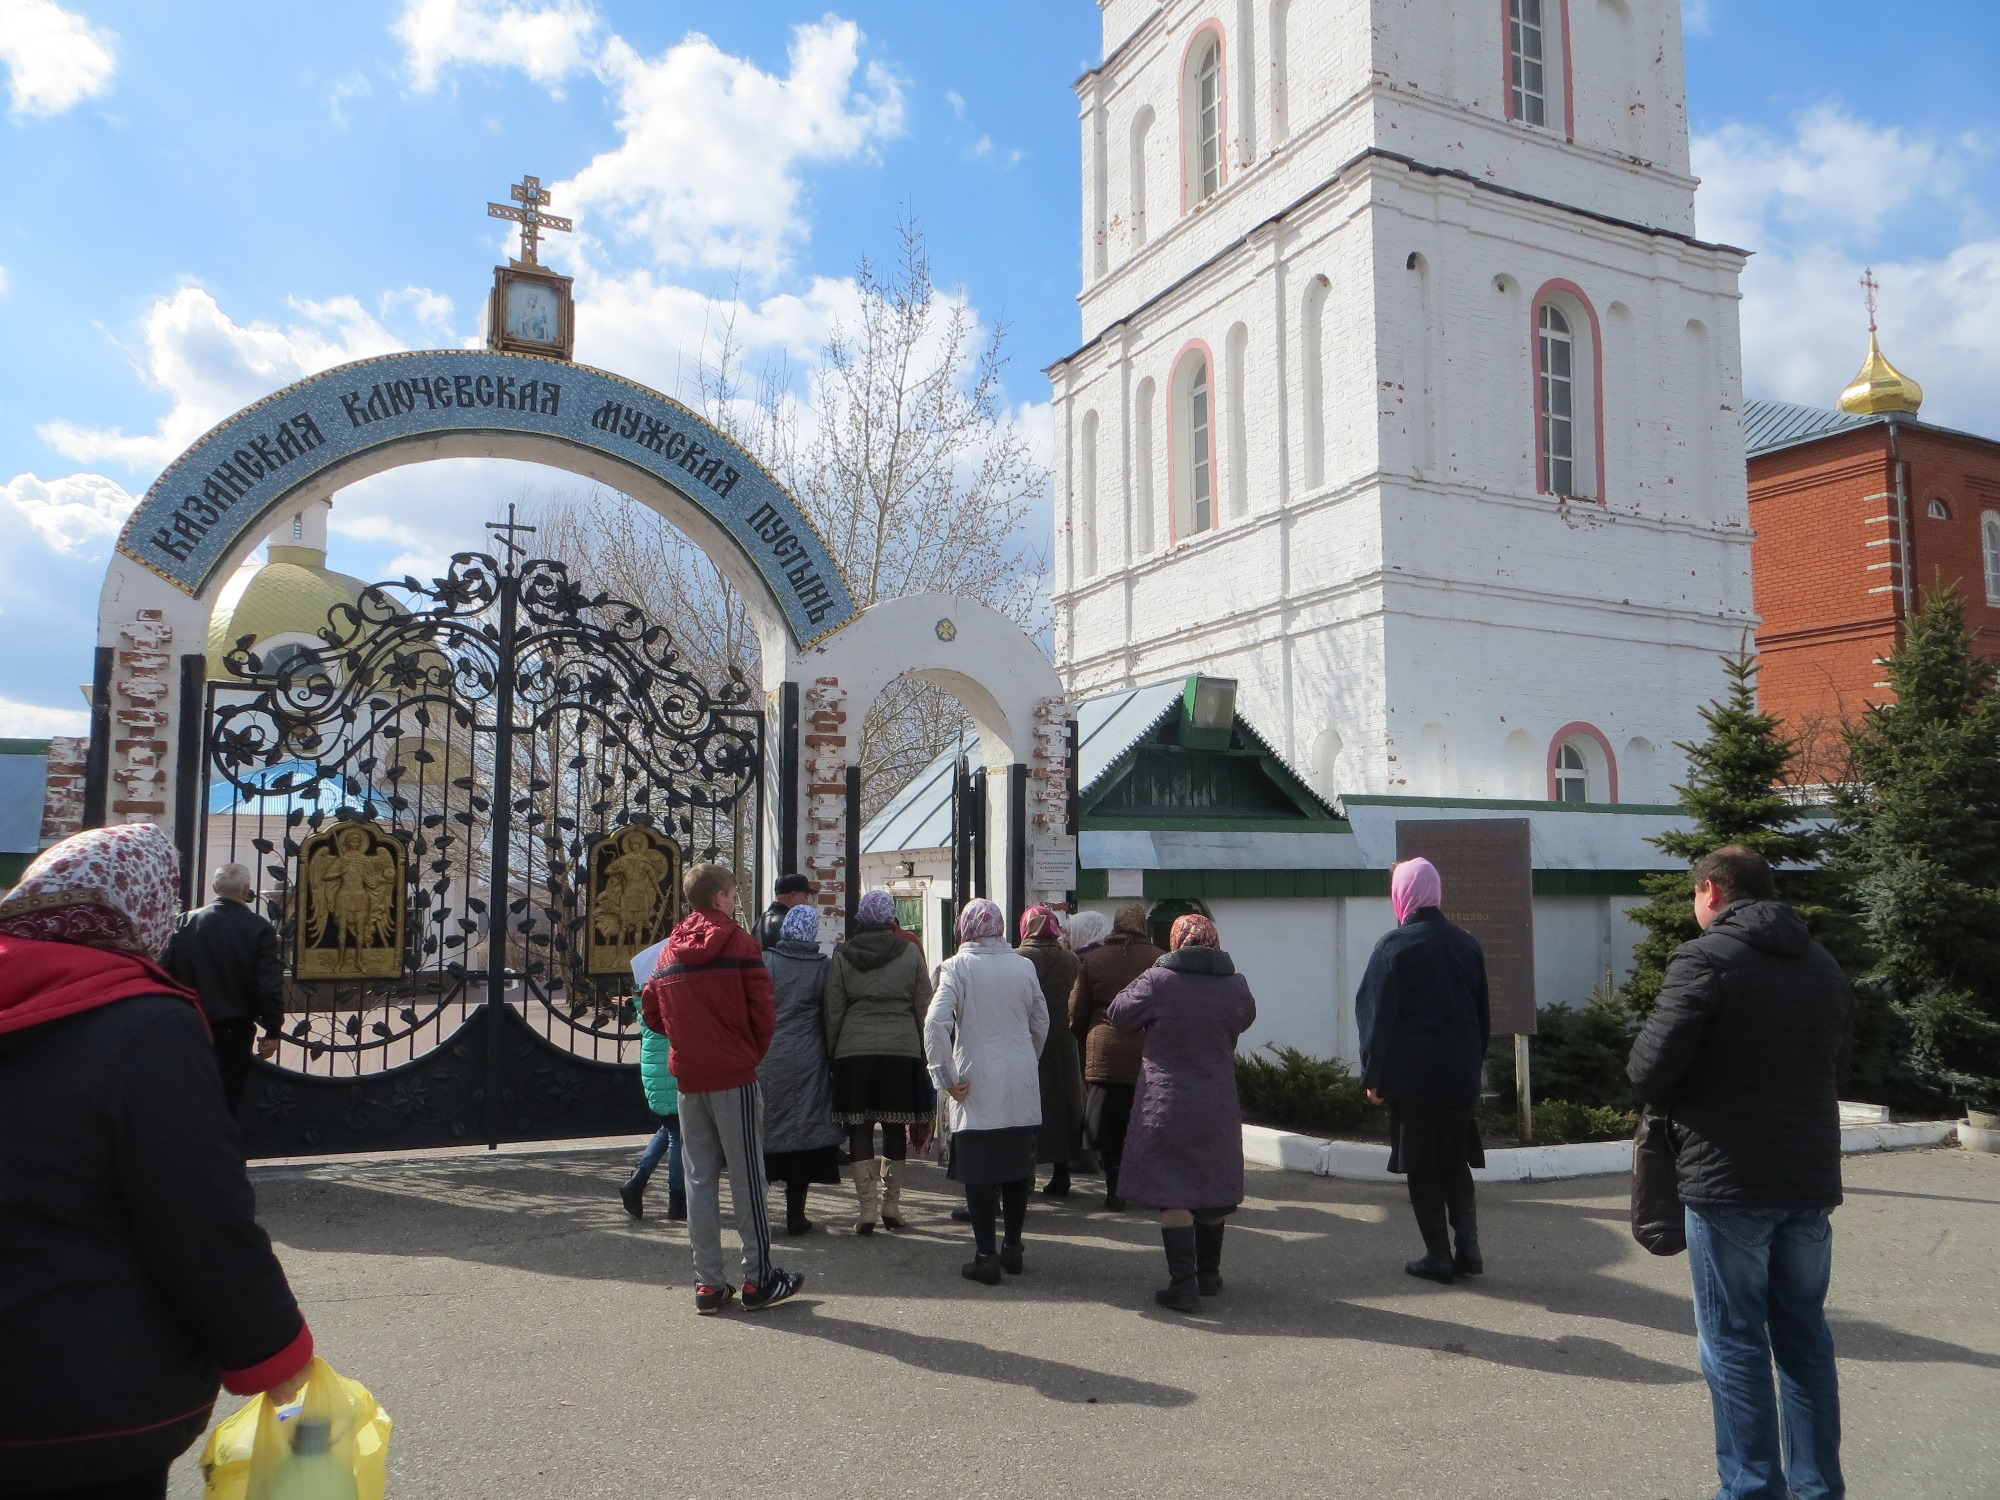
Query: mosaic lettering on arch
column 230, row 484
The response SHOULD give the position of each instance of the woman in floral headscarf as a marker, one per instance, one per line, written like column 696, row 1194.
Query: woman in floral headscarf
column 1061, row 1134
column 137, row 1278
column 1184, row 1147
column 1424, row 1023
column 984, row 1032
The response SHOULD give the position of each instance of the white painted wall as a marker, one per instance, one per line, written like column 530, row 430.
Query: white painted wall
column 1394, row 566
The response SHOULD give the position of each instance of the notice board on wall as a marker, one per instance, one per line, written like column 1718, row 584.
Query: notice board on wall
column 1489, row 890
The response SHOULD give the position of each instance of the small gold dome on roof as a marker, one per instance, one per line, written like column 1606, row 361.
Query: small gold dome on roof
column 1880, row 387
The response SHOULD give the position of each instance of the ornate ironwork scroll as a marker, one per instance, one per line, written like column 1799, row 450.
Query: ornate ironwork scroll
column 542, row 763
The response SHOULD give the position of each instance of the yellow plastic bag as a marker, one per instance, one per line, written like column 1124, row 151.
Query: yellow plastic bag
column 334, row 1443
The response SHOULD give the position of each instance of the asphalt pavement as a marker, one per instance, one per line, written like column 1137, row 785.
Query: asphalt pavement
column 530, row 1340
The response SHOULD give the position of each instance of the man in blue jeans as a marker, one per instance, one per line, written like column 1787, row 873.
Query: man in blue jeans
column 1743, row 1053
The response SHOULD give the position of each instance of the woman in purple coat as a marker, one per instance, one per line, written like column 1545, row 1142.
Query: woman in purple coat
column 1184, row 1150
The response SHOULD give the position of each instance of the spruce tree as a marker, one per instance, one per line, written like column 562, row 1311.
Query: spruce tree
column 1921, row 853
column 1732, row 794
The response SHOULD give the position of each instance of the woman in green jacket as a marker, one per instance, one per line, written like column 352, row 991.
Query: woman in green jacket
column 663, row 1098
column 877, row 992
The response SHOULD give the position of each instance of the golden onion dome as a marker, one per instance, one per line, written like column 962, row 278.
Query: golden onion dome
column 1880, row 387
column 287, row 598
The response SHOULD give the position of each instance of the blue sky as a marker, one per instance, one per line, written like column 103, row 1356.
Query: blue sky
column 208, row 201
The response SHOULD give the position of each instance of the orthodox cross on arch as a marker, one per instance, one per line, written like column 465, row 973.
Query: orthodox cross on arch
column 530, row 194
column 1869, row 287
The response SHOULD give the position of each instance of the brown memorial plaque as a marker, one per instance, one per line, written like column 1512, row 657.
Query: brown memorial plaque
column 1489, row 890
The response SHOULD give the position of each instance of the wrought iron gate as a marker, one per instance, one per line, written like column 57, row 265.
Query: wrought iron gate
column 468, row 807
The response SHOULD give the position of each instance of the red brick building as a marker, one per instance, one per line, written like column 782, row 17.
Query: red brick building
column 1856, row 511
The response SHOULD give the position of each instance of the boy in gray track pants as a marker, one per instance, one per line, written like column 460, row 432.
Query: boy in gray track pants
column 712, row 995
column 723, row 1131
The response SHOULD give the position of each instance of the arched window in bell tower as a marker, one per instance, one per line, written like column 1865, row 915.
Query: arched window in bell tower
column 1203, row 170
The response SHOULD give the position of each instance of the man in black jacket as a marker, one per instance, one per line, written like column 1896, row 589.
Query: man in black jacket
column 228, row 955
column 1743, row 1054
column 791, row 891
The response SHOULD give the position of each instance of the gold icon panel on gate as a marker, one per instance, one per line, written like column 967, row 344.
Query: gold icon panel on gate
column 352, row 890
column 635, row 877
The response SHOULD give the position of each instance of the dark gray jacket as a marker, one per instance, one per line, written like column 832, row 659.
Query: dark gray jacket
column 228, row 955
column 1744, row 1053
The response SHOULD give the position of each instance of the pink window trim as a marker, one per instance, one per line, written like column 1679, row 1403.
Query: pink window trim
column 1213, row 24
column 1596, row 381
column 1571, row 731
column 1173, row 389
column 1507, row 66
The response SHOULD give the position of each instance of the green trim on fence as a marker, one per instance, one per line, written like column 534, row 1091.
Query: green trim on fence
column 1254, row 885
column 1139, row 823
column 1671, row 809
column 24, row 747
column 1591, row 882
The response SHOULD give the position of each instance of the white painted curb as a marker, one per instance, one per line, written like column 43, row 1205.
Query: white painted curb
column 1365, row 1161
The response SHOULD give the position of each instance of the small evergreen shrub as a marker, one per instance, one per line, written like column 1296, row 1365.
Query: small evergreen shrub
column 1558, row 1121
column 1576, row 1054
column 1291, row 1090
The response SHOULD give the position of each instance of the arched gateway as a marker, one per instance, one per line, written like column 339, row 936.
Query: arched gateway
column 468, row 800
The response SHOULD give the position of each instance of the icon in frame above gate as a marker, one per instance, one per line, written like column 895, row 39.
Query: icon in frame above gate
column 224, row 490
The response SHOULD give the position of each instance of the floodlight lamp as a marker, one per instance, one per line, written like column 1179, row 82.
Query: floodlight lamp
column 1211, row 702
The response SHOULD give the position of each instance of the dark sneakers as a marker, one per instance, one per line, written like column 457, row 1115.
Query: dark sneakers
column 781, row 1285
column 709, row 1300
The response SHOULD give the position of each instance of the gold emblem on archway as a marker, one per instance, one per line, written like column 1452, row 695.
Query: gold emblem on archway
column 634, row 890
column 351, row 906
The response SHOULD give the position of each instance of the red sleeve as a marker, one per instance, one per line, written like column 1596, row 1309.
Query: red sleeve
column 649, row 1007
column 274, row 1371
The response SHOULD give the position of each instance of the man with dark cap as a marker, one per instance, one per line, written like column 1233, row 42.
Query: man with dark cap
column 791, row 891
column 1110, row 1057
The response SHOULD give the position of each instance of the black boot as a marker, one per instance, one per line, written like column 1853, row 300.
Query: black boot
column 1182, row 1293
column 632, row 1193
column 1112, row 1202
column 677, row 1207
column 1208, row 1257
column 1467, row 1261
column 1058, row 1184
column 1427, row 1201
column 796, row 1222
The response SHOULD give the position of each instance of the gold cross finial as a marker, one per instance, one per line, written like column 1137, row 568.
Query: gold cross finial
column 1869, row 287
column 528, row 192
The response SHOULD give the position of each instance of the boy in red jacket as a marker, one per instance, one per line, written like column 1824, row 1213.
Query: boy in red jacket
column 712, row 995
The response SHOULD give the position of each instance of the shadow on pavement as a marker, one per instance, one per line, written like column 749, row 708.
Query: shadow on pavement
column 1307, row 1265
column 964, row 1358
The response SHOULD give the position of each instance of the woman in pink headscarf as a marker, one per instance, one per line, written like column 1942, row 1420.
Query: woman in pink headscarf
column 984, row 1031
column 1424, row 1025
column 136, row 1279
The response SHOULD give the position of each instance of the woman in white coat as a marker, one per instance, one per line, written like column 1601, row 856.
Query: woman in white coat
column 983, row 1038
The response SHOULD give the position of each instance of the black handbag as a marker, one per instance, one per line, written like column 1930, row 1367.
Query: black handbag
column 1658, row 1220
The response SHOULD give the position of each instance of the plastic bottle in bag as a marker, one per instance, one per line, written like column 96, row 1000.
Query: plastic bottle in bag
column 312, row 1471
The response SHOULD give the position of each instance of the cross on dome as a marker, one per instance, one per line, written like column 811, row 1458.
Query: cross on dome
column 530, row 194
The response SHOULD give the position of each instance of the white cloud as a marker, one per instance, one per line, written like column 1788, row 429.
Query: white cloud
column 1837, row 195
column 957, row 102
column 69, row 510
column 210, row 365
column 547, row 42
column 707, row 172
column 54, row 57
column 3, row 281
column 32, row 721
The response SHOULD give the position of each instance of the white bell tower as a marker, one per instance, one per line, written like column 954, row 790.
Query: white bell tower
column 1406, row 395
